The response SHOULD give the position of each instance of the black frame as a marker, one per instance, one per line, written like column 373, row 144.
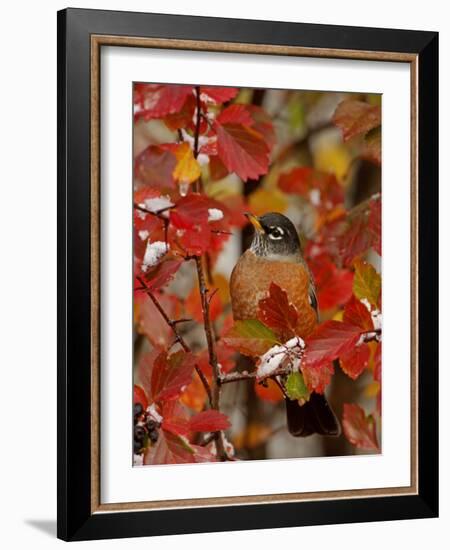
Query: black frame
column 75, row 521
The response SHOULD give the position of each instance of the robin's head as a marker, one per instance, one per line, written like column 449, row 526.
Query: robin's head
column 275, row 235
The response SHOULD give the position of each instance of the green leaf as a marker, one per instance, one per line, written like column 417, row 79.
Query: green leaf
column 295, row 387
column 367, row 282
column 250, row 337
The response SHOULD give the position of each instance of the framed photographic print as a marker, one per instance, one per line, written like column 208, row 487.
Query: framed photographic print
column 247, row 252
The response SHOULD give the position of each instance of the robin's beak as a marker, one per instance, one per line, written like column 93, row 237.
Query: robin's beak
column 255, row 222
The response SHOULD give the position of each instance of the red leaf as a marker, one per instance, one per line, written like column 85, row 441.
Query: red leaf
column 217, row 94
column 205, row 454
column 356, row 117
column 171, row 374
column 209, row 421
column 155, row 166
column 317, row 376
column 217, row 169
column 328, row 341
column 277, row 312
column 321, row 189
column 190, row 211
column 139, row 396
column 162, row 273
column 269, row 392
column 170, row 449
column 354, row 362
column 241, row 148
column 333, row 285
column 145, row 368
column 357, row 314
column 374, row 226
column 159, row 100
column 183, row 118
column 175, row 418
column 359, row 429
column 262, row 123
column 149, row 320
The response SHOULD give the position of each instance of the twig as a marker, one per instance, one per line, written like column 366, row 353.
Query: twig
column 210, row 339
column 178, row 337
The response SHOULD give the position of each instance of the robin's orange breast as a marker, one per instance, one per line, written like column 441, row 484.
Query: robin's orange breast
column 250, row 282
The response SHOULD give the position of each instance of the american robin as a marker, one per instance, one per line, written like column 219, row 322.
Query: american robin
column 275, row 255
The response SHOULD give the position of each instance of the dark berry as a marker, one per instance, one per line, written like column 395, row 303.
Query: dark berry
column 138, row 409
column 139, row 433
column 153, row 436
column 151, row 425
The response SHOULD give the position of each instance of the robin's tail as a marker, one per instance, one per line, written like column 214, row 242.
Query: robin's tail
column 315, row 416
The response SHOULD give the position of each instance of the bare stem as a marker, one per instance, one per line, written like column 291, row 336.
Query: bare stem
column 178, row 337
column 210, row 339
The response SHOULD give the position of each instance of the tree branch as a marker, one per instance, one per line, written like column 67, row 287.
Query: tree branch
column 178, row 337
column 210, row 339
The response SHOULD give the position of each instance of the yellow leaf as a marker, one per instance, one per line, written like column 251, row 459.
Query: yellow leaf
column 372, row 389
column 335, row 159
column 267, row 200
column 367, row 282
column 187, row 169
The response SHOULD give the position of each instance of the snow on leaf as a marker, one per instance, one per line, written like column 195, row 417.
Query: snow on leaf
column 187, row 169
column 356, row 117
column 290, row 352
column 250, row 337
column 367, row 282
column 359, row 429
column 210, row 420
column 153, row 254
column 276, row 312
column 155, row 204
column 214, row 214
column 328, row 341
column 171, row 375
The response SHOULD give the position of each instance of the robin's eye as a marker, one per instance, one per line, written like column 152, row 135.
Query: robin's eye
column 275, row 233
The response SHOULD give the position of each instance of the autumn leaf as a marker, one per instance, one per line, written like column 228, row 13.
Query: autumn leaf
column 210, row 420
column 357, row 314
column 372, row 145
column 328, row 341
column 355, row 117
column 374, row 225
column 269, row 391
column 276, row 312
column 155, row 167
column 250, row 337
column 139, row 396
column 171, row 375
column 334, row 286
column 320, row 189
column 161, row 274
column 354, row 362
column 175, row 418
column 295, row 386
column 190, row 211
column 149, row 320
column 359, row 429
column 241, row 148
column 217, row 94
column 317, row 376
column 187, row 169
column 367, row 282
column 159, row 100
column 170, row 449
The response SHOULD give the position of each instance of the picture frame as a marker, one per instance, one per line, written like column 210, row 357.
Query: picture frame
column 81, row 36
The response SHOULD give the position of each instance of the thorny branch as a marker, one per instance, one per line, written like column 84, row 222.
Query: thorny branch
column 178, row 337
